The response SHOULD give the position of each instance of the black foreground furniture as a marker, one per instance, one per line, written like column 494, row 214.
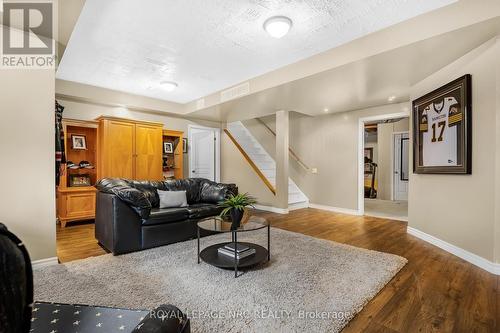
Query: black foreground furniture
column 18, row 313
column 128, row 217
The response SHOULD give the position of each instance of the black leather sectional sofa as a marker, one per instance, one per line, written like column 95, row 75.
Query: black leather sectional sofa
column 128, row 217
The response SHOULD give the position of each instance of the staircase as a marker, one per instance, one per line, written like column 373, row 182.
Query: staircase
column 265, row 163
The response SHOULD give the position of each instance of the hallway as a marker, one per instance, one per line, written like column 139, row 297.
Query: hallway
column 394, row 210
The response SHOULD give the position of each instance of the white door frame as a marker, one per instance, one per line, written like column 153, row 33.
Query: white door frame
column 361, row 152
column 217, row 131
column 392, row 159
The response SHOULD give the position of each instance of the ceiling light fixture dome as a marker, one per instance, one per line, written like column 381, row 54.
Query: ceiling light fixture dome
column 169, row 85
column 277, row 26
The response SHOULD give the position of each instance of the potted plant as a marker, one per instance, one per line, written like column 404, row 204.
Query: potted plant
column 235, row 205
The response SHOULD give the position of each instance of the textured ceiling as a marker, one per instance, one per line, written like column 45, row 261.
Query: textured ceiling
column 205, row 46
column 361, row 84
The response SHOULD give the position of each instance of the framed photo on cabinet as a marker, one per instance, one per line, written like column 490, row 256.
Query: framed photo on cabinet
column 442, row 129
column 78, row 142
column 168, row 148
column 79, row 180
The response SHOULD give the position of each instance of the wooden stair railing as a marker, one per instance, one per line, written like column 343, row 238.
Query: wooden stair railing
column 249, row 161
column 290, row 150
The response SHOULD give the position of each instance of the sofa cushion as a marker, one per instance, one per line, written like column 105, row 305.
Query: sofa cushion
column 106, row 185
column 135, row 198
column 149, row 191
column 200, row 210
column 192, row 186
column 214, row 193
column 166, row 215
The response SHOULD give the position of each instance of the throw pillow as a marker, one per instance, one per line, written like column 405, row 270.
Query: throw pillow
column 172, row 199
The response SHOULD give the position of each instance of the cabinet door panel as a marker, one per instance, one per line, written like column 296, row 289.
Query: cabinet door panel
column 80, row 205
column 119, row 151
column 148, row 164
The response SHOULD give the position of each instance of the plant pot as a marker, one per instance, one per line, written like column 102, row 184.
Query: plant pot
column 236, row 216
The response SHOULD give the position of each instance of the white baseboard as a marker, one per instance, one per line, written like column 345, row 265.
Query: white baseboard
column 336, row 209
column 459, row 252
column 299, row 205
column 387, row 217
column 271, row 209
column 36, row 264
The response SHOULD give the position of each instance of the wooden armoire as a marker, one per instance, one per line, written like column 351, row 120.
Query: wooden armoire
column 130, row 149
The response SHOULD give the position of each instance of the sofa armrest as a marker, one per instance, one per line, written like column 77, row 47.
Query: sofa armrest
column 164, row 319
column 233, row 188
column 117, row 225
column 217, row 192
column 136, row 198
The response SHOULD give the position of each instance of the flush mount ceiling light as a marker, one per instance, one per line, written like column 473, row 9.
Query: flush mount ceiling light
column 277, row 26
column 391, row 98
column 169, row 85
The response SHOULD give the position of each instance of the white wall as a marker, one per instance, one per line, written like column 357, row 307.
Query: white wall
column 461, row 209
column 27, row 169
column 497, row 165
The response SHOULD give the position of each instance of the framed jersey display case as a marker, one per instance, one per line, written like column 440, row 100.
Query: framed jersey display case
column 442, row 125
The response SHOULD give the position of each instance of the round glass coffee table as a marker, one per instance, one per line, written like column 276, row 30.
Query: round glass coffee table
column 234, row 255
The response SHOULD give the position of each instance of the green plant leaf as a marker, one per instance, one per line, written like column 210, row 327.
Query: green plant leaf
column 239, row 201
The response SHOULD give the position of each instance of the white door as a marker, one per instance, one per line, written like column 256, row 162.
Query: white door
column 401, row 165
column 203, row 153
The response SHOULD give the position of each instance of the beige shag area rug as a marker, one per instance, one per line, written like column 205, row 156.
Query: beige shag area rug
column 310, row 285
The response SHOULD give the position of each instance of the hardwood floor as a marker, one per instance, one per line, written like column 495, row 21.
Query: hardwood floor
column 76, row 241
column 434, row 292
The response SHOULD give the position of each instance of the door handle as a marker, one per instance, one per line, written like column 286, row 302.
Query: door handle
column 194, row 171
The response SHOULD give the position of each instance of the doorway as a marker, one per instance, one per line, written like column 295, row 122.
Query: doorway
column 204, row 152
column 384, row 166
column 400, row 151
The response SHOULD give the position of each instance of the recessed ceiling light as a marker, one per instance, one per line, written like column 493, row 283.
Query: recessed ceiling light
column 169, row 85
column 326, row 110
column 277, row 26
column 391, row 98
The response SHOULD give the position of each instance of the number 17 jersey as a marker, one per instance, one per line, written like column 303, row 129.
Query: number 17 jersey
column 440, row 134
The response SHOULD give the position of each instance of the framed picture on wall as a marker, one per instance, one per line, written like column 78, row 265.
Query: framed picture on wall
column 442, row 128
column 168, row 148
